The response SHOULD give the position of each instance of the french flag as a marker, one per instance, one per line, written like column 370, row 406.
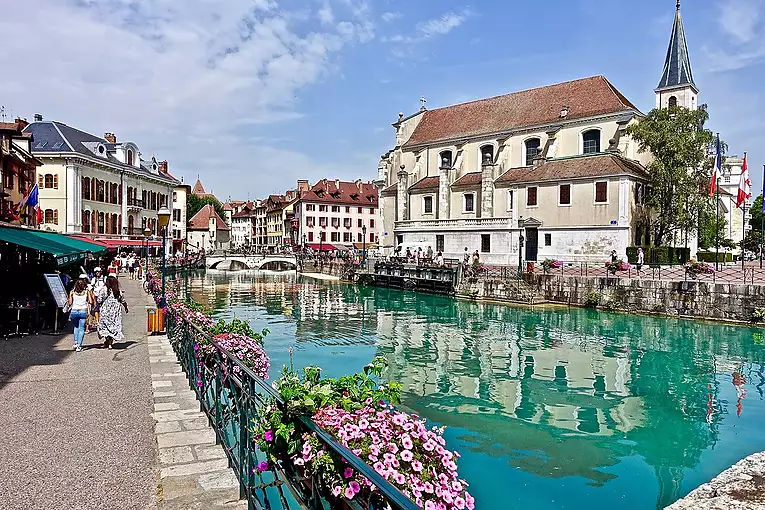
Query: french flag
column 32, row 199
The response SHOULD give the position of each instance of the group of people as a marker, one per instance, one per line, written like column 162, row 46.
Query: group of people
column 128, row 263
column 420, row 257
column 98, row 301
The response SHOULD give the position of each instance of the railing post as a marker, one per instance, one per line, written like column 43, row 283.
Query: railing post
column 245, row 471
column 216, row 396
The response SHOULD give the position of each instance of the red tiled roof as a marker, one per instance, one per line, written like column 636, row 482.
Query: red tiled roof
column 598, row 165
column 469, row 179
column 587, row 97
column 201, row 220
column 342, row 192
column 246, row 213
column 198, row 188
column 426, row 183
column 392, row 189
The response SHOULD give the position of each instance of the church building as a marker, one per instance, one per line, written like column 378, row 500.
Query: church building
column 550, row 169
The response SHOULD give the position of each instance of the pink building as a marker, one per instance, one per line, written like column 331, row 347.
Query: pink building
column 337, row 214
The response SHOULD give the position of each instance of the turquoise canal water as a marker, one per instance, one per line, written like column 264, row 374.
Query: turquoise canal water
column 550, row 408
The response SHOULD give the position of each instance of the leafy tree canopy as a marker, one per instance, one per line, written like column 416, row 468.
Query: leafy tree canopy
column 195, row 203
column 756, row 215
column 679, row 173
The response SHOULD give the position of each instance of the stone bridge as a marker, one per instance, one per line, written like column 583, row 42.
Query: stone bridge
column 257, row 262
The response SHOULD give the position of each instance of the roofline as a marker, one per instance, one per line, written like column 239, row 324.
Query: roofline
column 510, row 132
column 69, row 155
column 404, row 119
column 677, row 87
column 509, row 184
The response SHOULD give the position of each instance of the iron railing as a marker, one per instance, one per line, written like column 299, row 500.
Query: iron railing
column 232, row 401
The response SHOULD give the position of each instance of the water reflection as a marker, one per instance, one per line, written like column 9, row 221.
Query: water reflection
column 574, row 396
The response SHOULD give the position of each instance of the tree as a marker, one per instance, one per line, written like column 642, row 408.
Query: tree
column 195, row 203
column 752, row 240
column 709, row 230
column 756, row 214
column 679, row 173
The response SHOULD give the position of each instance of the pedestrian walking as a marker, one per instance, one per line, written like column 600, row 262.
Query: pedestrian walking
column 131, row 267
column 111, row 302
column 79, row 302
column 614, row 257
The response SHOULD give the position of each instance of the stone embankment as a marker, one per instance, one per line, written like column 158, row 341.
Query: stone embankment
column 742, row 487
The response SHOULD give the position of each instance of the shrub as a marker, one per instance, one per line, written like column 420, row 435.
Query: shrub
column 709, row 256
column 592, row 299
column 758, row 315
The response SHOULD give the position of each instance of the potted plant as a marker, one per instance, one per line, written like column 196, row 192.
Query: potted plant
column 550, row 264
column 694, row 268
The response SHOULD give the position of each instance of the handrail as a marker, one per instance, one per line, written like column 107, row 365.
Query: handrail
column 393, row 497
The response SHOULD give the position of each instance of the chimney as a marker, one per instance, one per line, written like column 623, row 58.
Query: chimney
column 109, row 137
column 22, row 123
column 302, row 185
column 358, row 184
column 163, row 167
column 337, row 183
column 38, row 117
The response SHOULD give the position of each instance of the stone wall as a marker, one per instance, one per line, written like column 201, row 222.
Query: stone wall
column 691, row 298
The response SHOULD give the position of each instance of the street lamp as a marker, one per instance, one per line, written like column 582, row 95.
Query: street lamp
column 364, row 245
column 147, row 234
column 163, row 218
column 520, row 247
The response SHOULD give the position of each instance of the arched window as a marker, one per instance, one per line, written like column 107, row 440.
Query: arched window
column 86, row 188
column 131, row 225
column 672, row 101
column 48, row 180
column 531, row 147
column 487, row 155
column 48, row 216
column 86, row 221
column 130, row 157
column 591, row 141
column 101, row 223
column 445, row 159
column 115, row 224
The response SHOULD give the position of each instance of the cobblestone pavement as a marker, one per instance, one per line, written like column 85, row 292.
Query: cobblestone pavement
column 194, row 471
column 75, row 427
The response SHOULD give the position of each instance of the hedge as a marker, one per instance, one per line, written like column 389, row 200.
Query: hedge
column 660, row 255
column 709, row 256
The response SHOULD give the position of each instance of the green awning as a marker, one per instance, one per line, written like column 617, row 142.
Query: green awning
column 75, row 243
column 48, row 242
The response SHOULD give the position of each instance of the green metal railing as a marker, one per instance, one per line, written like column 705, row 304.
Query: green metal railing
column 232, row 399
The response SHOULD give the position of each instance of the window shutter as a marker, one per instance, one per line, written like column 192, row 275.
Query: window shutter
column 40, row 181
column 55, row 216
column 55, row 181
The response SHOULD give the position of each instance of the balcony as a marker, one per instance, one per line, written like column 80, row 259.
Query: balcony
column 135, row 205
column 457, row 224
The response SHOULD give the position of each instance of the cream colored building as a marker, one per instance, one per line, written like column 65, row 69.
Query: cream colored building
column 737, row 217
column 179, row 220
column 551, row 164
column 95, row 185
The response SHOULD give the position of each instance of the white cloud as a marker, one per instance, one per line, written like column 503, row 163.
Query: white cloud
column 325, row 14
column 183, row 79
column 740, row 19
column 390, row 16
column 433, row 28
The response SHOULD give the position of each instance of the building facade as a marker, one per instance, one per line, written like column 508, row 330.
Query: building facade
column 96, row 185
column 18, row 173
column 737, row 218
column 179, row 220
column 242, row 221
column 261, row 226
column 337, row 214
column 208, row 232
column 550, row 169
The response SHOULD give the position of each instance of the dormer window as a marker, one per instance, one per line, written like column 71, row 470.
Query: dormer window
column 446, row 159
column 591, row 141
column 130, row 157
column 531, row 147
column 487, row 155
column 101, row 150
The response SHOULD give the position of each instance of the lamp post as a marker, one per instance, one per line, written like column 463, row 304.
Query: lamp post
column 364, row 245
column 520, row 247
column 147, row 234
column 163, row 218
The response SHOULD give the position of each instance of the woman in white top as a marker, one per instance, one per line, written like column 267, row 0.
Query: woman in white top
column 80, row 301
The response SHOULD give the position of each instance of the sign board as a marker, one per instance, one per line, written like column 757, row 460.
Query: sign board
column 56, row 287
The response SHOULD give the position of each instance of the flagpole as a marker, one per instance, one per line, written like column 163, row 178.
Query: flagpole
column 762, row 216
column 743, row 215
column 718, row 168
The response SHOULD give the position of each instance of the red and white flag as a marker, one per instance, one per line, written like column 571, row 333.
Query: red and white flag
column 744, row 185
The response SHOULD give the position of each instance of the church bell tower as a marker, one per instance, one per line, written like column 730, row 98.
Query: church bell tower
column 676, row 87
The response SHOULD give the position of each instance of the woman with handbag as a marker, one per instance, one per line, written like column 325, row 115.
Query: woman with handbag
column 79, row 303
column 111, row 302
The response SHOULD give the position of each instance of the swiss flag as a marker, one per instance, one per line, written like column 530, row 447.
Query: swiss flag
column 744, row 185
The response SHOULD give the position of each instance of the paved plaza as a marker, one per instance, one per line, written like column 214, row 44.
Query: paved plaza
column 78, row 429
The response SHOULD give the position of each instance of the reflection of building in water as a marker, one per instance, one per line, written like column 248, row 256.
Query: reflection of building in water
column 335, row 313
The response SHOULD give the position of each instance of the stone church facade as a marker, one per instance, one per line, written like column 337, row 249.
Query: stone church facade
column 552, row 165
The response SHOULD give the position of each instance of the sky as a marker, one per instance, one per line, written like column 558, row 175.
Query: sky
column 251, row 95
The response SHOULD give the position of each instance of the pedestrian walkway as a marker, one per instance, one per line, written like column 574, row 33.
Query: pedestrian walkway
column 105, row 429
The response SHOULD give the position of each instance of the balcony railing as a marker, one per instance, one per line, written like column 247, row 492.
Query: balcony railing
column 232, row 399
column 453, row 224
column 135, row 203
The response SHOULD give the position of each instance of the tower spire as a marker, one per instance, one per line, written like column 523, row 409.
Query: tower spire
column 677, row 65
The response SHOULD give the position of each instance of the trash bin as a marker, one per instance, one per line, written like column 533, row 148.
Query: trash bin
column 529, row 267
column 155, row 320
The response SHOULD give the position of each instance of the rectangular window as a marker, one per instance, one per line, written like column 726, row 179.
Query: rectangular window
column 322, row 208
column 371, row 238
column 323, row 236
column 485, row 243
column 361, row 210
column 310, row 207
column 347, row 222
column 335, row 208
column 564, row 194
column 469, row 202
column 323, row 221
column 176, row 215
column 310, row 237
column 309, row 221
column 548, row 239
column 531, row 196
column 360, row 223
column 359, row 238
column 440, row 243
column 510, row 200
column 347, row 209
column 335, row 237
column 601, row 192
column 336, row 222
column 399, row 239
column 427, row 205
column 371, row 211
column 372, row 223
column 346, row 237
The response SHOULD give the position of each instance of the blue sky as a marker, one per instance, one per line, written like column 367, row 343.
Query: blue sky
column 253, row 94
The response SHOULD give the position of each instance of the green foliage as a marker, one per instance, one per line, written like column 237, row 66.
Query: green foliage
column 659, row 255
column 758, row 315
column 709, row 256
column 592, row 299
column 240, row 327
column 752, row 241
column 755, row 214
column 659, row 308
column 709, row 230
column 679, row 173
column 195, row 203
